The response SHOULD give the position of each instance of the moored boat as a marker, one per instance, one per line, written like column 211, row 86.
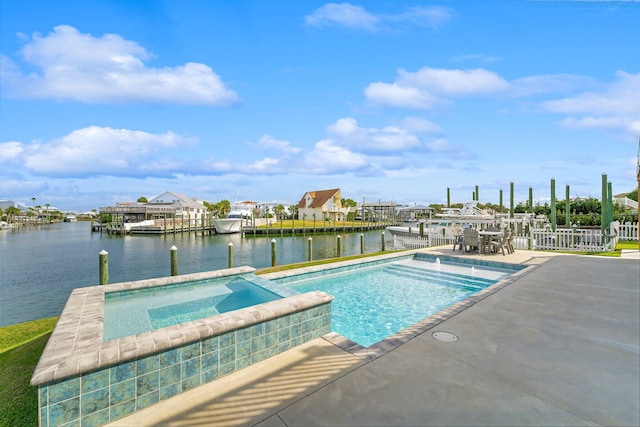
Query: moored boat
column 240, row 213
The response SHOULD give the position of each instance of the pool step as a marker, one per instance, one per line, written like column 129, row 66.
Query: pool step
column 444, row 277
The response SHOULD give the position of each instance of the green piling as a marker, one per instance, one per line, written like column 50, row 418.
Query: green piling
column 104, row 267
column 609, row 205
column 273, row 252
column 174, row 260
column 230, row 255
column 338, row 245
column 553, row 205
column 361, row 243
column 567, row 209
column 511, row 204
column 603, row 205
column 382, row 238
column 309, row 249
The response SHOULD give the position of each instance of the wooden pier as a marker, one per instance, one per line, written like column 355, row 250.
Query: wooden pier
column 168, row 228
column 301, row 231
column 261, row 231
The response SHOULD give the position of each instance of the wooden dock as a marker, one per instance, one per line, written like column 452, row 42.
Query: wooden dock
column 301, row 231
column 152, row 229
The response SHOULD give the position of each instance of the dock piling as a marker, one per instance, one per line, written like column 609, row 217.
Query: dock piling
column 273, row 252
column 362, row 243
column 174, row 260
column 338, row 244
column 104, row 267
column 382, row 238
column 230, row 254
column 310, row 252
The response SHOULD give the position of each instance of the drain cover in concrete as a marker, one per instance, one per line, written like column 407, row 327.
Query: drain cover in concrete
column 444, row 336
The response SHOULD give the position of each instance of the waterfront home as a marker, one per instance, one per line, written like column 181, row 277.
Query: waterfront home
column 168, row 205
column 322, row 205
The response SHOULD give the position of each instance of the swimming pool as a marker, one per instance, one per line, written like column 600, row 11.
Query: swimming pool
column 372, row 303
column 134, row 311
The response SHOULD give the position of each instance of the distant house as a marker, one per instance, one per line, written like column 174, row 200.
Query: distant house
column 167, row 205
column 184, row 206
column 322, row 205
column 622, row 199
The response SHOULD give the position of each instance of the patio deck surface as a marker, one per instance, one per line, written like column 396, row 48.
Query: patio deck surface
column 558, row 346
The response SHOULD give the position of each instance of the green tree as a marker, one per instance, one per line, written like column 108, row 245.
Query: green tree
column 11, row 212
column 279, row 211
column 293, row 210
column 224, row 206
column 142, row 199
column 348, row 203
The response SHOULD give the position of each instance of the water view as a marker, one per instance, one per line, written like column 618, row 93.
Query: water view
column 40, row 267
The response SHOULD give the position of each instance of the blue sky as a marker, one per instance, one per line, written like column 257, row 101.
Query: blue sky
column 105, row 101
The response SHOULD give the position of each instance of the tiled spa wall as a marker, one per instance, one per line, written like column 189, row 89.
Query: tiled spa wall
column 99, row 397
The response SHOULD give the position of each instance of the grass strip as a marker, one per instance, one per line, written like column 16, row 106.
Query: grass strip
column 16, row 335
column 18, row 398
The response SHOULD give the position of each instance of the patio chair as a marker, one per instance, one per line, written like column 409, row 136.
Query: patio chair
column 458, row 242
column 471, row 239
column 509, row 246
column 499, row 243
column 458, row 237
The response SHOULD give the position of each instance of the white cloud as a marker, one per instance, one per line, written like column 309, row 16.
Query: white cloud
column 10, row 151
column 426, row 16
column 429, row 87
column 327, row 157
column 549, row 83
column 620, row 97
column 267, row 165
column 453, row 82
column 108, row 69
column 348, row 16
column 94, row 150
column 267, row 142
column 398, row 95
column 418, row 125
column 342, row 15
column 390, row 139
column 614, row 107
column 625, row 125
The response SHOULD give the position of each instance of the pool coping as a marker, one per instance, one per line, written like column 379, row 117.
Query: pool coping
column 404, row 335
column 76, row 346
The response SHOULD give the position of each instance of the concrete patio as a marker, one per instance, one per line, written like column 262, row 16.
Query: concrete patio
column 558, row 346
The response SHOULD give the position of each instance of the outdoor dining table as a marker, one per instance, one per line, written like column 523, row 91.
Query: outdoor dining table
column 485, row 239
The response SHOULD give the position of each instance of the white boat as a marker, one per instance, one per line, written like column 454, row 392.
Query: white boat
column 240, row 213
column 70, row 218
column 448, row 224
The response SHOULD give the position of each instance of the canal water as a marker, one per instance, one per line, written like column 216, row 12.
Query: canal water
column 39, row 267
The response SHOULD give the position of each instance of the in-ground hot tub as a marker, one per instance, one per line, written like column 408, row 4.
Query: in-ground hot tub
column 85, row 379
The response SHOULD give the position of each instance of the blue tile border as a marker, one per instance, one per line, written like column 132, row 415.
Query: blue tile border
column 99, row 397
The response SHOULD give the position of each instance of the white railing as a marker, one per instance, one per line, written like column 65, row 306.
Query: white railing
column 563, row 239
column 569, row 239
column 627, row 202
column 628, row 231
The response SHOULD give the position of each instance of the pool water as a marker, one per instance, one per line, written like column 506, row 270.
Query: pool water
column 132, row 312
column 373, row 303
